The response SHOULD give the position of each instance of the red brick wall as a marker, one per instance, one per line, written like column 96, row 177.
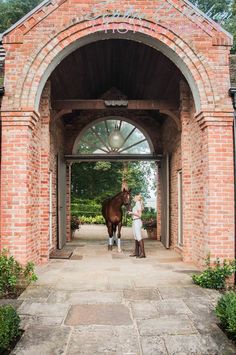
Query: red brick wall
column 206, row 139
column 20, row 185
column 57, row 144
column 45, row 172
column 207, row 171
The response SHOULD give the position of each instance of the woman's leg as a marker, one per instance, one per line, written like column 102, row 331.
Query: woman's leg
column 139, row 238
column 142, row 253
column 136, row 246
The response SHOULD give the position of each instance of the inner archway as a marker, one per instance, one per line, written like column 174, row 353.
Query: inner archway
column 114, row 135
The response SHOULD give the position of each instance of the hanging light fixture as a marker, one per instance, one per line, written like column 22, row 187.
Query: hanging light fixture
column 116, row 140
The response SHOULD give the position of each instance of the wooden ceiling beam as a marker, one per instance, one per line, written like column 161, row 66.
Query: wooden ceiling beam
column 160, row 105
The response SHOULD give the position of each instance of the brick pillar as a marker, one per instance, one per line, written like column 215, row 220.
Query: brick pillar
column 218, row 231
column 186, row 153
column 20, row 185
column 68, row 202
column 45, row 172
column 158, row 202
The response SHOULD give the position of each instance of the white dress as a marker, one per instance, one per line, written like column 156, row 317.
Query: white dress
column 137, row 222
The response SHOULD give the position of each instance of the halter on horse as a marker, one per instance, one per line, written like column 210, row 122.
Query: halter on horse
column 112, row 212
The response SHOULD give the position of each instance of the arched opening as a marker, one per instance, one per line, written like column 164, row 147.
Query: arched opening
column 183, row 58
column 159, row 78
column 114, row 135
column 115, row 84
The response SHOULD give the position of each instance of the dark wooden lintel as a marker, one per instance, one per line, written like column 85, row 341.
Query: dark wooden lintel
column 161, row 105
column 113, row 157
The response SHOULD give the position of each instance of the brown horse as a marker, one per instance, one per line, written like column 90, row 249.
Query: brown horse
column 112, row 212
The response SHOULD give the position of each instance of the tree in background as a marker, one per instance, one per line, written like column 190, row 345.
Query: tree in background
column 213, row 6
column 103, row 179
column 221, row 11
column 13, row 10
column 231, row 25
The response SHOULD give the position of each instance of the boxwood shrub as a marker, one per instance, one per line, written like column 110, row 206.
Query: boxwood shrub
column 226, row 312
column 215, row 276
column 14, row 276
column 9, row 327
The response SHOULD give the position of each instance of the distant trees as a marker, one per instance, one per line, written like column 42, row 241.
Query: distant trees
column 221, row 11
column 13, row 10
column 102, row 179
column 216, row 7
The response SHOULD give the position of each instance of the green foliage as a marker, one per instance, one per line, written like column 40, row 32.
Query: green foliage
column 91, row 208
column 226, row 312
column 74, row 223
column 149, row 218
column 9, row 327
column 92, row 220
column 215, row 276
column 13, row 275
column 13, row 10
column 221, row 11
column 97, row 181
column 212, row 7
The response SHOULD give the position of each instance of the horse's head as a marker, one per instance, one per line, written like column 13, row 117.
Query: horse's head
column 126, row 196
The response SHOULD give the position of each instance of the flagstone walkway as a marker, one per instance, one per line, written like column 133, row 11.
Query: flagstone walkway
column 101, row 302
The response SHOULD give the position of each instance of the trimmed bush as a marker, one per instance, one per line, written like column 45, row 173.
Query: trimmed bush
column 226, row 312
column 215, row 276
column 9, row 327
column 13, row 275
column 92, row 220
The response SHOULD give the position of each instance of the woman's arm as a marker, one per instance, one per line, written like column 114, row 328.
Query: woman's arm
column 138, row 213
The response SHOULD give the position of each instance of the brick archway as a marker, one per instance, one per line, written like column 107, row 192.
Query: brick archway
column 48, row 56
column 205, row 148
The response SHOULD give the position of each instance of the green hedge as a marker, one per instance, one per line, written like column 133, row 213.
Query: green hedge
column 91, row 220
column 226, row 312
column 90, row 210
column 86, row 208
column 9, row 327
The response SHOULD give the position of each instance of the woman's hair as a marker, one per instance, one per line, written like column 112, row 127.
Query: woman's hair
column 141, row 201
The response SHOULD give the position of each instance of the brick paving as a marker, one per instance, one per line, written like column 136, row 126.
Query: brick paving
column 101, row 304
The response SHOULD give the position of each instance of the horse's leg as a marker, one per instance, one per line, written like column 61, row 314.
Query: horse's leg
column 114, row 235
column 110, row 232
column 119, row 235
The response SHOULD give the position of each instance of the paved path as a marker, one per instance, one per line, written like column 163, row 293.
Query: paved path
column 102, row 302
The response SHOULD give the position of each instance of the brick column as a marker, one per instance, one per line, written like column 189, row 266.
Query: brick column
column 20, row 185
column 158, row 202
column 218, row 231
column 68, row 202
column 45, row 172
column 186, row 153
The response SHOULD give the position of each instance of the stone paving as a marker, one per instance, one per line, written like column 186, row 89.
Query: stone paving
column 108, row 303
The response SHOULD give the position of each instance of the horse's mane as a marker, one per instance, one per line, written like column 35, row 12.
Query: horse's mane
column 113, row 197
column 119, row 193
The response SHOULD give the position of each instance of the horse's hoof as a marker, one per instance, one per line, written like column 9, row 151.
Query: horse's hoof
column 119, row 250
column 109, row 247
column 114, row 243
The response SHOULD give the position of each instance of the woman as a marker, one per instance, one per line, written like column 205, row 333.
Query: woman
column 136, row 214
